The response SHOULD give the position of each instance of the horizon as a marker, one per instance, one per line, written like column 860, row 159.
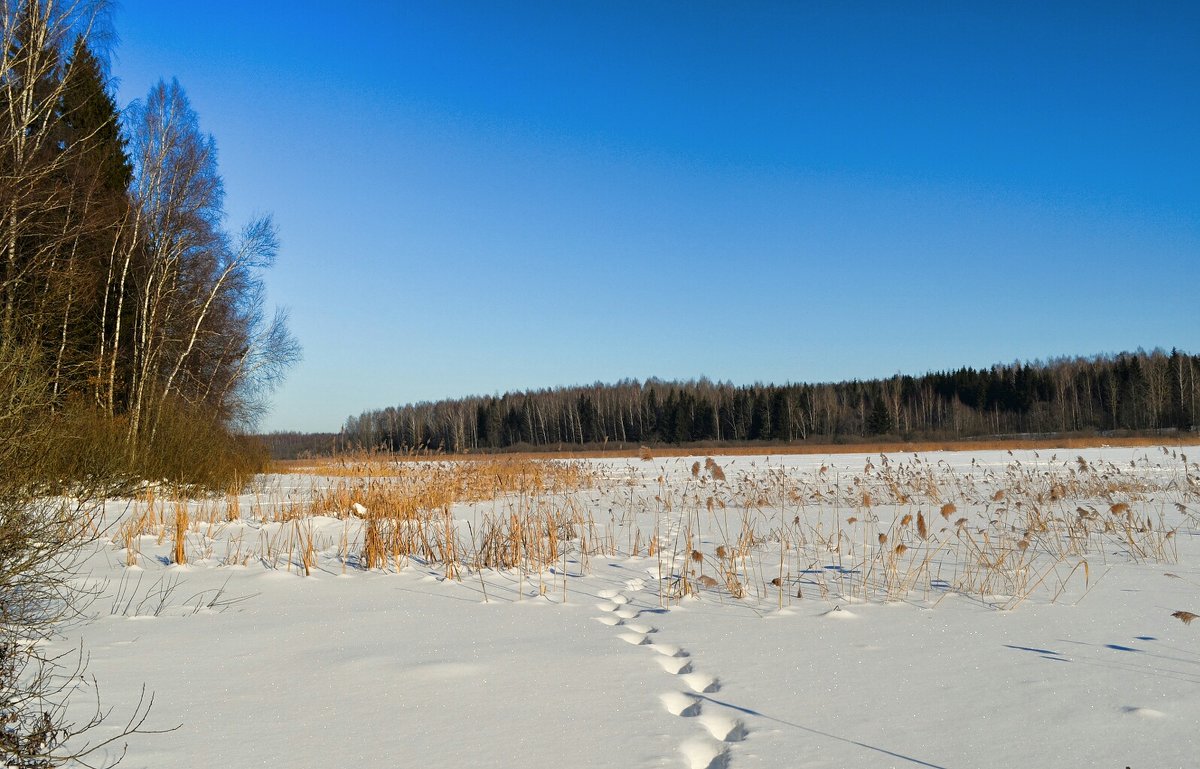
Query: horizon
column 475, row 199
column 643, row 382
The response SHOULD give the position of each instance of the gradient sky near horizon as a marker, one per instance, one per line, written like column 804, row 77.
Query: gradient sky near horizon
column 476, row 197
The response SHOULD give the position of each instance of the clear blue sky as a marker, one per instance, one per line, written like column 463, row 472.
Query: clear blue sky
column 480, row 197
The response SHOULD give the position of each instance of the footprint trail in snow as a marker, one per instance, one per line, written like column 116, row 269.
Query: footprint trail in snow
column 710, row 749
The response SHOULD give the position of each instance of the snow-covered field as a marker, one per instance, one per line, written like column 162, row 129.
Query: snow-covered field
column 946, row 610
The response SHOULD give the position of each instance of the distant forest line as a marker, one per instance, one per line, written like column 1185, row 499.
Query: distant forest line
column 1130, row 391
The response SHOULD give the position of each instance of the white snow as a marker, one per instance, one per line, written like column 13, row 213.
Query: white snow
column 604, row 662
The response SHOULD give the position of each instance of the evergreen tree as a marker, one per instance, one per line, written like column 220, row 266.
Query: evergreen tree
column 93, row 123
column 879, row 421
column 99, row 173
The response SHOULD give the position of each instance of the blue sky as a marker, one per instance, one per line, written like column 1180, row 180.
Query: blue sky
column 480, row 197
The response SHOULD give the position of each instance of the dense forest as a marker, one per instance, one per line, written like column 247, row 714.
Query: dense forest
column 297, row 445
column 129, row 315
column 1138, row 391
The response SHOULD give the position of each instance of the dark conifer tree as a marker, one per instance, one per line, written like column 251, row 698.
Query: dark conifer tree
column 879, row 421
column 91, row 117
column 98, row 174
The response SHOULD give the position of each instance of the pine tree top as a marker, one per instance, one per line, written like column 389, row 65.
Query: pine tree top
column 92, row 121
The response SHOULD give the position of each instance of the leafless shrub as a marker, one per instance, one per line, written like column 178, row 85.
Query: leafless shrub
column 40, row 539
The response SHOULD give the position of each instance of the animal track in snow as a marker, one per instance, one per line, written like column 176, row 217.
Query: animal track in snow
column 680, row 704
column 704, row 754
column 723, row 728
column 668, row 650
column 711, row 749
column 674, row 665
column 639, row 627
column 700, row 682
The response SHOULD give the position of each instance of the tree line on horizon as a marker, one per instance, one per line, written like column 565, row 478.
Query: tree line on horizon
column 1133, row 391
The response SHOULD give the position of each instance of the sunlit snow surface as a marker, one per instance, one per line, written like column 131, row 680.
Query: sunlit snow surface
column 591, row 665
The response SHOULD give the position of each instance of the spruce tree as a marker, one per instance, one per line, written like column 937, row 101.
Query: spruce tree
column 99, row 172
column 93, row 123
column 879, row 421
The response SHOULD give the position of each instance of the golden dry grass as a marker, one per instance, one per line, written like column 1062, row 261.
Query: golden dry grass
column 752, row 529
column 409, row 489
column 406, row 508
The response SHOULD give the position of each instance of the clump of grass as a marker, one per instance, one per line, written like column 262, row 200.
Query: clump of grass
column 181, row 529
column 407, row 511
column 374, row 554
column 233, row 508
